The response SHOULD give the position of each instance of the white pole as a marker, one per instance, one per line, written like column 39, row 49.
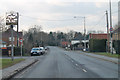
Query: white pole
column 110, row 28
column 84, row 35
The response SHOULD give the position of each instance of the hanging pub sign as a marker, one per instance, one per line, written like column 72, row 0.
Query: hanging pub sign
column 11, row 18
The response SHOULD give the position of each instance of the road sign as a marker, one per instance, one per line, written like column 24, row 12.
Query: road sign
column 21, row 40
column 11, row 18
column 111, row 29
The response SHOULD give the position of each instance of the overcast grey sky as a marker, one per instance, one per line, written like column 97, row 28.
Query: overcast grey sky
column 58, row 15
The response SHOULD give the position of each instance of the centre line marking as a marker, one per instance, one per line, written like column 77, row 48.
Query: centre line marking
column 84, row 70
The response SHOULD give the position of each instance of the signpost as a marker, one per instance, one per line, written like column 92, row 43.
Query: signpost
column 11, row 19
column 21, row 40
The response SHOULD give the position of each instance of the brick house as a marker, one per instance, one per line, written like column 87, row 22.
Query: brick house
column 98, row 36
column 6, row 36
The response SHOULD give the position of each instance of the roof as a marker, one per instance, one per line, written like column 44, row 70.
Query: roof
column 8, row 33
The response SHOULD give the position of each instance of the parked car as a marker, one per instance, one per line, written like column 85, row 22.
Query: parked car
column 42, row 50
column 46, row 48
column 35, row 51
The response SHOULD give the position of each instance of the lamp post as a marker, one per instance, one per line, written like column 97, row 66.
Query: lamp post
column 84, row 30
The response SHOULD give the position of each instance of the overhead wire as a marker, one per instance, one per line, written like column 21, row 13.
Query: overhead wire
column 48, row 19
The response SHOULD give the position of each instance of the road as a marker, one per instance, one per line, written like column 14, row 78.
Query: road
column 59, row 63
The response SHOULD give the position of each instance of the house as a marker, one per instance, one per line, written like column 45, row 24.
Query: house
column 65, row 43
column 6, row 36
column 2, row 44
column 98, row 36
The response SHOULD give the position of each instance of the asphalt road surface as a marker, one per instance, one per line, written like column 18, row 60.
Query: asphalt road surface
column 59, row 63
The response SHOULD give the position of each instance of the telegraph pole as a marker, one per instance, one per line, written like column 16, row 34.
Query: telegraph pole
column 84, row 35
column 107, row 31
column 111, row 30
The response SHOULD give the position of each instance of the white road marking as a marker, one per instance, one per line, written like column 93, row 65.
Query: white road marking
column 76, row 64
column 84, row 70
column 72, row 60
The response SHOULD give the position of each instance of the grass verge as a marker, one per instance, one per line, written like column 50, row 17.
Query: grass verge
column 8, row 62
column 107, row 54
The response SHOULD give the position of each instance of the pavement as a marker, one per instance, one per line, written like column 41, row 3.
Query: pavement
column 59, row 63
column 7, row 73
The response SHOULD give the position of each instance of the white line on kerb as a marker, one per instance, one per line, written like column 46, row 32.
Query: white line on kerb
column 84, row 70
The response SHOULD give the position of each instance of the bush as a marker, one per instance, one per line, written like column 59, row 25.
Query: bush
column 97, row 45
column 116, row 45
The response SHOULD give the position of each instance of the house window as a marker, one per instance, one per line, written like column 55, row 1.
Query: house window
column 11, row 38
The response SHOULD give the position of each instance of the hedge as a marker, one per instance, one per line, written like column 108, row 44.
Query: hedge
column 17, row 51
column 97, row 45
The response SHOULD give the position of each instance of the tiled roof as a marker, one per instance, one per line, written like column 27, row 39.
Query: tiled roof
column 8, row 33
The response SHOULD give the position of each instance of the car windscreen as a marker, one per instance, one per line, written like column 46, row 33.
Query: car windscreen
column 35, row 49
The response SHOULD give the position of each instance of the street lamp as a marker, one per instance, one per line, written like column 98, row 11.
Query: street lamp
column 84, row 31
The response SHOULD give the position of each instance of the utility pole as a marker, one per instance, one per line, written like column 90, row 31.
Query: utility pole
column 107, row 31
column 111, row 29
column 84, row 35
column 17, row 29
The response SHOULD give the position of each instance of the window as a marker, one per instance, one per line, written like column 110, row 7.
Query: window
column 11, row 38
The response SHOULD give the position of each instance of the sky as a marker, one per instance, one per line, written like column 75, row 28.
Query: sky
column 58, row 15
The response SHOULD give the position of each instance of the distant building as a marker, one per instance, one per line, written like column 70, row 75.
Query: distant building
column 98, row 36
column 6, row 36
column 64, row 43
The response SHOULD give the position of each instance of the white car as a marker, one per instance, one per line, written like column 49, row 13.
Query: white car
column 42, row 50
column 35, row 51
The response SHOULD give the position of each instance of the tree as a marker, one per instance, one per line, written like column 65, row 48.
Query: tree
column 78, row 36
column 2, row 24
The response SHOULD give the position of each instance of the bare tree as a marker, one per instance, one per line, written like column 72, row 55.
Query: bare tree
column 3, row 27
